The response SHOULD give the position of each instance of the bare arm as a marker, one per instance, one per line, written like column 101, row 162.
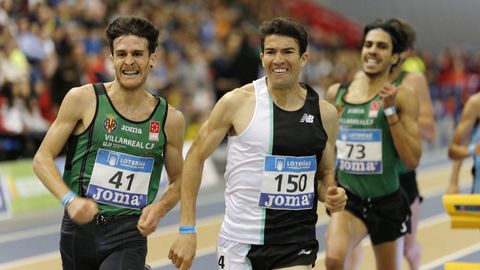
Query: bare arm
column 209, row 137
column 426, row 119
column 404, row 124
column 326, row 167
column 334, row 197
column 71, row 117
column 175, row 133
column 464, row 129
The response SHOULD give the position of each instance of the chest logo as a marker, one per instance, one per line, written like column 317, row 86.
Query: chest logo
column 110, row 123
column 132, row 129
column 154, row 131
column 307, row 118
column 374, row 107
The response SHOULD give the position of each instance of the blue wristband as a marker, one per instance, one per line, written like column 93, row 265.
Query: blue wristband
column 68, row 198
column 390, row 111
column 470, row 149
column 187, row 229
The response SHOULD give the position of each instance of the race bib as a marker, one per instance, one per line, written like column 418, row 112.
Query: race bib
column 288, row 182
column 120, row 179
column 359, row 151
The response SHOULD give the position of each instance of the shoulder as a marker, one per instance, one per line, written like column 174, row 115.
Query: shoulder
column 332, row 92
column 472, row 104
column 416, row 80
column 237, row 97
column 84, row 93
column 474, row 99
column 174, row 116
column 79, row 100
column 327, row 108
column 328, row 112
column 415, row 76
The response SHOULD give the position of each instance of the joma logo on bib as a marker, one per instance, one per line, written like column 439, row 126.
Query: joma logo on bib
column 360, row 167
column 280, row 201
column 118, row 198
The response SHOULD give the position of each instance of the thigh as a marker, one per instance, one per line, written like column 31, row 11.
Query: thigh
column 344, row 232
column 232, row 255
column 390, row 219
column 77, row 248
column 389, row 255
column 130, row 257
column 122, row 247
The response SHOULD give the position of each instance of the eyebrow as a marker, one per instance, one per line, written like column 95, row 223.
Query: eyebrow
column 125, row 50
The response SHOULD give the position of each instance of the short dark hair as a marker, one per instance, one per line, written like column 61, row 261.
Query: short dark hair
column 394, row 28
column 284, row 27
column 132, row 25
column 410, row 34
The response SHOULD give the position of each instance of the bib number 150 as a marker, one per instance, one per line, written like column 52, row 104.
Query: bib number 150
column 295, row 182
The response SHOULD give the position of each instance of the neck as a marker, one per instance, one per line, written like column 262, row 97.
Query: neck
column 127, row 96
column 395, row 72
column 288, row 98
column 375, row 82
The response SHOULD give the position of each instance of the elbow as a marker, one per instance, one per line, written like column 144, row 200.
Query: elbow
column 36, row 163
column 412, row 165
column 453, row 155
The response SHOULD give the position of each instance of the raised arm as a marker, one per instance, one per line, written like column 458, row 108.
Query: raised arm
column 404, row 124
column 175, row 133
column 464, row 129
column 73, row 116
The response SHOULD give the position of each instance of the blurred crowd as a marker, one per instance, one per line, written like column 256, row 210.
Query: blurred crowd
column 207, row 47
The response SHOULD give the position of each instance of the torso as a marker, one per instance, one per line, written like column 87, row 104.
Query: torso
column 270, row 136
column 117, row 160
column 366, row 155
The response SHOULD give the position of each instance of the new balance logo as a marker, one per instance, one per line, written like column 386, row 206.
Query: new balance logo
column 303, row 251
column 306, row 118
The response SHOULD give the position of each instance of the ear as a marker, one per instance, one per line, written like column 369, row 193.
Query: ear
column 152, row 60
column 395, row 58
column 261, row 59
column 304, row 59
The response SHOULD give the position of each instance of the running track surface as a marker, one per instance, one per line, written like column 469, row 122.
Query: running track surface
column 32, row 242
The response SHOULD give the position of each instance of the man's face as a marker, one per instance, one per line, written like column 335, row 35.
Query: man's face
column 376, row 56
column 282, row 61
column 131, row 61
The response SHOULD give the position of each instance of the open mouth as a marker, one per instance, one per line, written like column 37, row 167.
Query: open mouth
column 280, row 70
column 130, row 73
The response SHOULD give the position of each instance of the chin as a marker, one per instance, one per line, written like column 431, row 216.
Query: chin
column 372, row 74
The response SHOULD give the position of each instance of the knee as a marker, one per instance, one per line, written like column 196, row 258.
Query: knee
column 412, row 251
column 333, row 263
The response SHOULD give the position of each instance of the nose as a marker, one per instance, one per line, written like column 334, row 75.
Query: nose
column 129, row 60
column 278, row 59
